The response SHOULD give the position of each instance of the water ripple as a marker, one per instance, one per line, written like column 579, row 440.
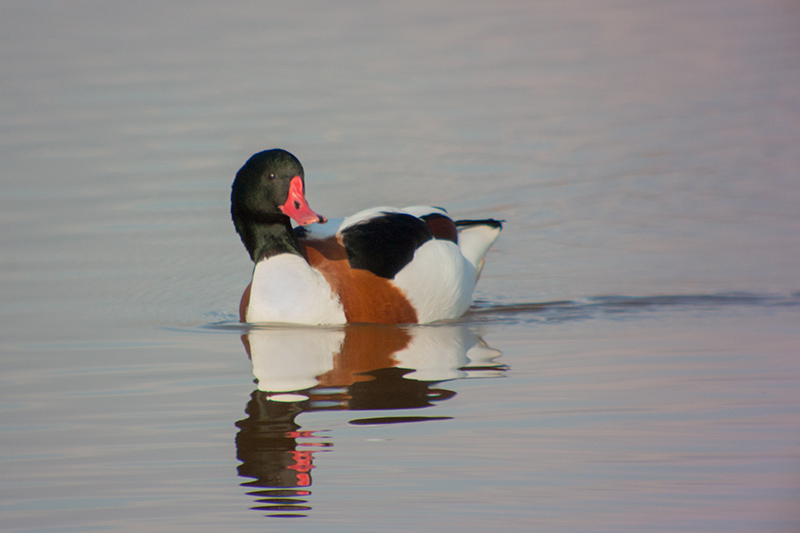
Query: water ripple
column 563, row 310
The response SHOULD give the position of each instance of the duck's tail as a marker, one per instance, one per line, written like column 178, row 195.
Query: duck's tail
column 475, row 237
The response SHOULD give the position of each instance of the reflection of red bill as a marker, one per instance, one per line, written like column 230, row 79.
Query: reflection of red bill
column 296, row 205
column 303, row 465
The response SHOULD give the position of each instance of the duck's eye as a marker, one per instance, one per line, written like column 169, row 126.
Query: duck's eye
column 271, row 177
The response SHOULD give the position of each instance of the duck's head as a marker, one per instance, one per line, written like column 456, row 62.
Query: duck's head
column 269, row 185
column 267, row 191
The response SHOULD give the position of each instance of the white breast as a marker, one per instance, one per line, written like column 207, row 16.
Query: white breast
column 286, row 289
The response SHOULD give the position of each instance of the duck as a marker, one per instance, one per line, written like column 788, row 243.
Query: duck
column 383, row 265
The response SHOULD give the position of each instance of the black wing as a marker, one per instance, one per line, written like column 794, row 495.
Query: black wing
column 385, row 244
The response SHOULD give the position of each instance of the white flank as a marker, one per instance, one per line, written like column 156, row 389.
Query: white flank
column 438, row 282
column 286, row 289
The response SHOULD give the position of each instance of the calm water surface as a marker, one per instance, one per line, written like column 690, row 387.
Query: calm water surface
column 631, row 363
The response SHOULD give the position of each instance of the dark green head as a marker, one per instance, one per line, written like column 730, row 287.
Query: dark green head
column 267, row 191
column 262, row 184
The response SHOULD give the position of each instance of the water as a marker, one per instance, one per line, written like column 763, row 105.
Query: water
column 631, row 363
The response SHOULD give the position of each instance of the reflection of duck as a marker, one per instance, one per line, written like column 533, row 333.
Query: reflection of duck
column 383, row 265
column 356, row 367
column 287, row 360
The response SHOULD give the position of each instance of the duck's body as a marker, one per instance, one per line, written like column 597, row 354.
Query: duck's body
column 382, row 265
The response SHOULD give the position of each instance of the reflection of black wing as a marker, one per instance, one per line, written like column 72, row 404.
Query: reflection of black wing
column 390, row 390
column 385, row 244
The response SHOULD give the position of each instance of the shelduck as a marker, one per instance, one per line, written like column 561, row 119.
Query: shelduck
column 382, row 265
